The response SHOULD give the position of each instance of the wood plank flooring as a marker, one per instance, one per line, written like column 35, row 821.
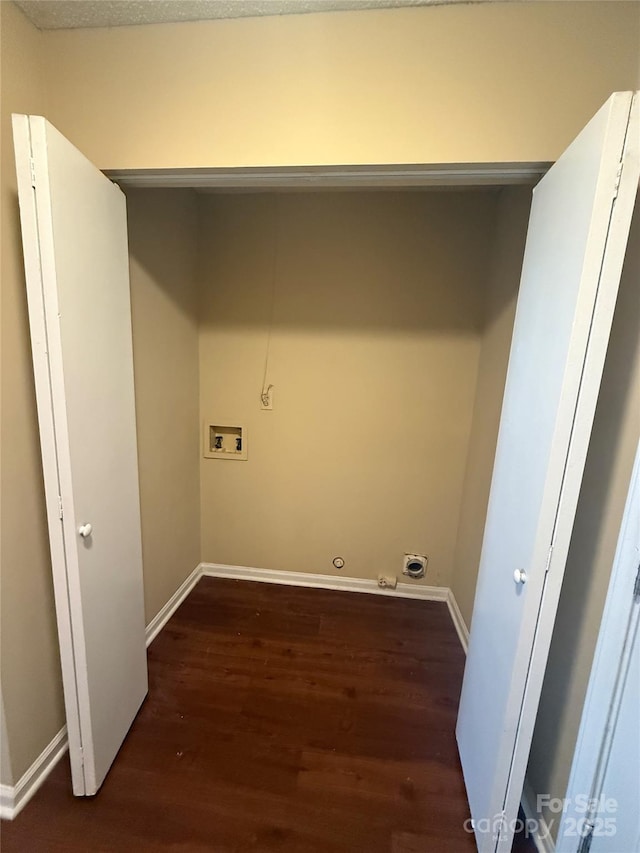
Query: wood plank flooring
column 279, row 719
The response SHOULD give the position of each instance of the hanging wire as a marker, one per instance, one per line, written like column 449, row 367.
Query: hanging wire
column 266, row 389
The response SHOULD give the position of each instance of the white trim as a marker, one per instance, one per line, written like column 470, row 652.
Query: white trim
column 458, row 621
column 346, row 584
column 540, row 832
column 6, row 802
column 13, row 798
column 162, row 617
column 336, row 177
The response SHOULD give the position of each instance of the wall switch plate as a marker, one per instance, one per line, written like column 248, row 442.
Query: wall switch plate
column 223, row 441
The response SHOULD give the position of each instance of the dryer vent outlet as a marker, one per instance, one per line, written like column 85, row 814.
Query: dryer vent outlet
column 414, row 566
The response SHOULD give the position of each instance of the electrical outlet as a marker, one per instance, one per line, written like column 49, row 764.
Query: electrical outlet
column 387, row 581
column 266, row 399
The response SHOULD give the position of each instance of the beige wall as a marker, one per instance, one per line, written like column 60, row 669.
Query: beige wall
column 485, row 82
column 163, row 237
column 30, row 666
column 373, row 358
column 600, row 508
column 500, row 307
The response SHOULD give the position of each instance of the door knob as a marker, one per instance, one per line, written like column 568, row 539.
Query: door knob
column 85, row 530
column 520, row 576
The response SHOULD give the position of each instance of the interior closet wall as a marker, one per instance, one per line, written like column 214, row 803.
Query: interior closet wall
column 163, row 244
column 599, row 515
column 30, row 663
column 499, row 313
column 371, row 307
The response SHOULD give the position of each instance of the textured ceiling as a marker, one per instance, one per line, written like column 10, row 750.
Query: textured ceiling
column 70, row 14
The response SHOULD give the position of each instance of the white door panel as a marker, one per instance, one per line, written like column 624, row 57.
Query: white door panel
column 603, row 794
column 571, row 270
column 76, row 260
column 617, row 825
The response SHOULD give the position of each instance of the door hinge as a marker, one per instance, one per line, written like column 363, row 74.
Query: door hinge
column 501, row 826
column 32, row 167
column 636, row 585
column 60, row 513
column 548, row 563
column 618, row 180
column 587, row 838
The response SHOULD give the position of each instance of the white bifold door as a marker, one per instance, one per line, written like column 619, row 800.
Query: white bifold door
column 75, row 249
column 576, row 242
column 602, row 812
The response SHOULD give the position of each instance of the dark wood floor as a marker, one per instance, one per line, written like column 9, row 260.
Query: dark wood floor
column 279, row 719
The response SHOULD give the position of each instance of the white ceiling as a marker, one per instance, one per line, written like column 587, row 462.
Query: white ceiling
column 71, row 14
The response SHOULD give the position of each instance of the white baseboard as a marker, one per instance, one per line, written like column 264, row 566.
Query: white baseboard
column 367, row 585
column 162, row 617
column 539, row 831
column 458, row 621
column 13, row 798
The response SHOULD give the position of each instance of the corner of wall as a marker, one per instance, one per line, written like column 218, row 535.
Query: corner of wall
column 502, row 287
column 162, row 253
